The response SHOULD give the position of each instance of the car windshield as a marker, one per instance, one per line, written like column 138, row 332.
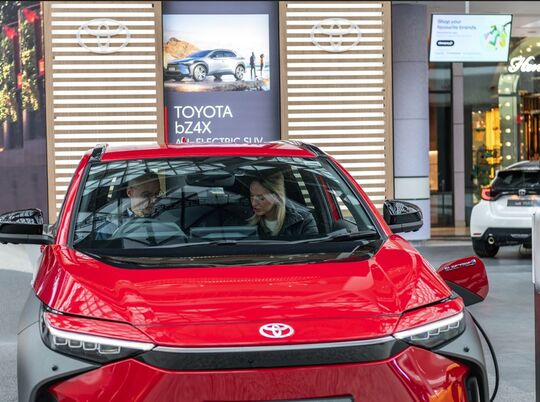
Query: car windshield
column 181, row 206
column 201, row 53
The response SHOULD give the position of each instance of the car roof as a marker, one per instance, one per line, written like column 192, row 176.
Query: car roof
column 216, row 50
column 524, row 165
column 152, row 151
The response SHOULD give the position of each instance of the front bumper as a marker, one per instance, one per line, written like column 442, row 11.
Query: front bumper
column 413, row 375
column 410, row 374
column 180, row 71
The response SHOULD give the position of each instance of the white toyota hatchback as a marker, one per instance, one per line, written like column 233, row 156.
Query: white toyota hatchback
column 504, row 215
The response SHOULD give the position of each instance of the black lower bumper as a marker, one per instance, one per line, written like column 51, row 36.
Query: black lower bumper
column 175, row 75
column 508, row 236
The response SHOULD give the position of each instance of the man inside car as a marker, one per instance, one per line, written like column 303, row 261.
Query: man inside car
column 143, row 192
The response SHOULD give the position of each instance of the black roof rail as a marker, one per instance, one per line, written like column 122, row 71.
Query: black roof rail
column 310, row 147
column 98, row 151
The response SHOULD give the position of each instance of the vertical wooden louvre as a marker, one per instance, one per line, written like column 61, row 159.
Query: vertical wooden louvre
column 340, row 100
column 114, row 97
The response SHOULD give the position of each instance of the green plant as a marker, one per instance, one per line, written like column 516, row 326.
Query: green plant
column 8, row 84
column 29, row 68
column 8, row 11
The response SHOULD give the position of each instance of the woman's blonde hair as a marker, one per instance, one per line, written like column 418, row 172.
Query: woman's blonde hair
column 275, row 184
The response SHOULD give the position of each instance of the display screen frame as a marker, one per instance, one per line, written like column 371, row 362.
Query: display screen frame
column 214, row 116
column 432, row 59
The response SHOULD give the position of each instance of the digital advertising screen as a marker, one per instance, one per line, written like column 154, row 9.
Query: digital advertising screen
column 221, row 71
column 464, row 38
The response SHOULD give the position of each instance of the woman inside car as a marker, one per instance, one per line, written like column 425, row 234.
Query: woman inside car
column 274, row 215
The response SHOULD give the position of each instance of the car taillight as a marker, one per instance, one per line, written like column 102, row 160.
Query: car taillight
column 485, row 193
column 447, row 323
column 63, row 334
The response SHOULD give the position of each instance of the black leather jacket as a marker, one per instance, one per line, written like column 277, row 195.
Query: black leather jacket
column 298, row 223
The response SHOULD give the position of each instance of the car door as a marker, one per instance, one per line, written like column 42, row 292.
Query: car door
column 213, row 61
column 229, row 62
column 219, row 62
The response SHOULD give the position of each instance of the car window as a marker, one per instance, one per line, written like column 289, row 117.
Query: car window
column 202, row 53
column 229, row 54
column 514, row 179
column 167, row 204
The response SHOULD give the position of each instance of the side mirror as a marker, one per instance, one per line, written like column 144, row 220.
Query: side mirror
column 402, row 216
column 24, row 227
column 467, row 277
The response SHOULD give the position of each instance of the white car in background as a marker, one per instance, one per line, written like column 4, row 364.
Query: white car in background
column 504, row 215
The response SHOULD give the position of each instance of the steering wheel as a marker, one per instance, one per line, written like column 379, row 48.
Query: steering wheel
column 149, row 232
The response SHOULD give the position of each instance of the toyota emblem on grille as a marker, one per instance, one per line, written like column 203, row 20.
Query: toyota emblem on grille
column 276, row 330
column 522, row 192
column 103, row 35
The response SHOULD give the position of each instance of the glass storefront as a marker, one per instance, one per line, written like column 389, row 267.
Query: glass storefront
column 482, row 128
column 503, row 110
column 501, row 104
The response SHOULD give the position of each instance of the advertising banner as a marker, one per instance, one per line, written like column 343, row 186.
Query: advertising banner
column 470, row 37
column 221, row 73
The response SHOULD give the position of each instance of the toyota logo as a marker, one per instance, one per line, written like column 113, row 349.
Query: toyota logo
column 522, row 192
column 103, row 35
column 276, row 330
column 335, row 35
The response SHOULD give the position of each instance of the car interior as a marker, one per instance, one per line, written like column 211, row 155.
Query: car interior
column 208, row 206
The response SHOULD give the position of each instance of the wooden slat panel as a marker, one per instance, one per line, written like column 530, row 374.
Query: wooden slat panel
column 113, row 98
column 341, row 102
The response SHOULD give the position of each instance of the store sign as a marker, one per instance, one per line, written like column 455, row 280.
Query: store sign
column 523, row 64
column 335, row 35
column 103, row 35
column 221, row 77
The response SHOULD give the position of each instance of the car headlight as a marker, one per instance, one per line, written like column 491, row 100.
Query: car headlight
column 97, row 349
column 435, row 333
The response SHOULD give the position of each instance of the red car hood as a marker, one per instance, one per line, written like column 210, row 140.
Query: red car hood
column 228, row 305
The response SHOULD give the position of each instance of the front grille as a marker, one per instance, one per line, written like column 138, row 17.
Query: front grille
column 267, row 357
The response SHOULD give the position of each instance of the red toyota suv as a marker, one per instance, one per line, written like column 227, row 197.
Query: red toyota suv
column 239, row 273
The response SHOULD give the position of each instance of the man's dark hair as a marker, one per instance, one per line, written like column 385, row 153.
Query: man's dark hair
column 144, row 178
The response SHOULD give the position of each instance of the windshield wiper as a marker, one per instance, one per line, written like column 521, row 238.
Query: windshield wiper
column 252, row 242
column 340, row 236
column 362, row 234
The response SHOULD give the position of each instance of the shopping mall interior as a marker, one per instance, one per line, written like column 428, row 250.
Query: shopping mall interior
column 501, row 109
